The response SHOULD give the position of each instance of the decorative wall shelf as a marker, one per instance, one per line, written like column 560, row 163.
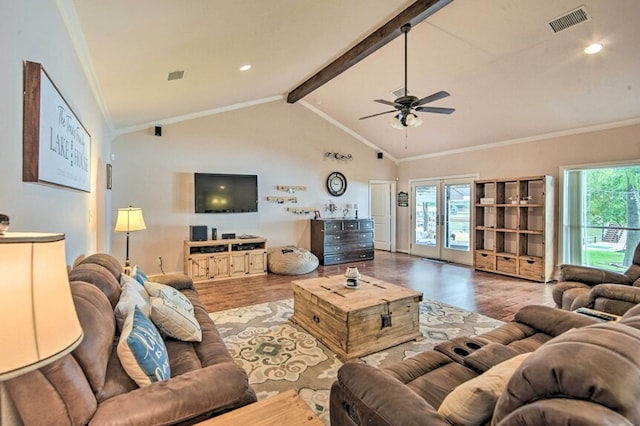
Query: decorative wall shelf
column 300, row 210
column 291, row 189
column 282, row 200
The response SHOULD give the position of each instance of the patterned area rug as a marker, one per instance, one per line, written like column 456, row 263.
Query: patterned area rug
column 279, row 355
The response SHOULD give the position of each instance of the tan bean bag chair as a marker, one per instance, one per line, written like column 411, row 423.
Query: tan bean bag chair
column 291, row 260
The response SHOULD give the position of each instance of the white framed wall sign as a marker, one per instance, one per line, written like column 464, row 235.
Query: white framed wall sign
column 56, row 147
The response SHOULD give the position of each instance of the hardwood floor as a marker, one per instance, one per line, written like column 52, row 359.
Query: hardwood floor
column 493, row 295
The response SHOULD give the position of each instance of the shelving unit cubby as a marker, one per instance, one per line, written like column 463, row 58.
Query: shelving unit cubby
column 514, row 227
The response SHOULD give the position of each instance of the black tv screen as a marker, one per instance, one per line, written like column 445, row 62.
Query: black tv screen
column 225, row 193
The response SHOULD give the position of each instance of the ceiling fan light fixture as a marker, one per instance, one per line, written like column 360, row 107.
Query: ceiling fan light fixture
column 396, row 122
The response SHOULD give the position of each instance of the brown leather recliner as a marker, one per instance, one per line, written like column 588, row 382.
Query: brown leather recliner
column 90, row 386
column 554, row 385
column 589, row 287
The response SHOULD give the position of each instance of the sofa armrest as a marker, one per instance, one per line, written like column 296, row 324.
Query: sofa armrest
column 213, row 389
column 378, row 398
column 552, row 321
column 177, row 281
column 623, row 293
column 591, row 276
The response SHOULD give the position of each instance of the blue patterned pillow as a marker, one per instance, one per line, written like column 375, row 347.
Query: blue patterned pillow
column 139, row 275
column 141, row 350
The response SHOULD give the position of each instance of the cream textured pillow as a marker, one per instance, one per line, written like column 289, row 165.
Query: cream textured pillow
column 174, row 321
column 472, row 402
column 133, row 294
column 167, row 292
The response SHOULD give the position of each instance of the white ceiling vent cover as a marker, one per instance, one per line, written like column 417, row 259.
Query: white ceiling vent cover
column 400, row 92
column 175, row 75
column 569, row 20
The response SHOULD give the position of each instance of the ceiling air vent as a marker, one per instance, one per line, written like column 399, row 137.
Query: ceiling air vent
column 569, row 20
column 400, row 92
column 175, row 75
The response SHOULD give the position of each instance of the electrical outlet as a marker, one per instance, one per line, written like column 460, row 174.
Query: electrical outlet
column 160, row 260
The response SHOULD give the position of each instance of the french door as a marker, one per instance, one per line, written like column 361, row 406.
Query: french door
column 441, row 219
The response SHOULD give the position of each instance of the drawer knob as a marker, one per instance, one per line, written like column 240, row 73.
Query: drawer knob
column 316, row 319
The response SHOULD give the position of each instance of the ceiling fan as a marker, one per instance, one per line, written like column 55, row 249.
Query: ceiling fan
column 407, row 104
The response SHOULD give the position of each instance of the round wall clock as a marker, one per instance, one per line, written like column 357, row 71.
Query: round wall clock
column 336, row 184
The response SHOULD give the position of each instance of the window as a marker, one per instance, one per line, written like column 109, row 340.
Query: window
column 601, row 216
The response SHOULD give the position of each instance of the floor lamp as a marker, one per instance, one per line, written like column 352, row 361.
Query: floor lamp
column 40, row 324
column 129, row 220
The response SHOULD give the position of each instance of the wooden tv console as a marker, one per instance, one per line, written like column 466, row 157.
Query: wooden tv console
column 214, row 260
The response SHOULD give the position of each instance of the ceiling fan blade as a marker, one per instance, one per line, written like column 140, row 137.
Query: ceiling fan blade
column 436, row 110
column 382, row 101
column 375, row 115
column 431, row 98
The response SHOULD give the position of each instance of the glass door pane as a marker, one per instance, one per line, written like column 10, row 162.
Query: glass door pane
column 457, row 216
column 426, row 215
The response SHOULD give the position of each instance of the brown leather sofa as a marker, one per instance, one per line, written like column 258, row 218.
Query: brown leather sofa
column 599, row 289
column 90, row 386
column 579, row 371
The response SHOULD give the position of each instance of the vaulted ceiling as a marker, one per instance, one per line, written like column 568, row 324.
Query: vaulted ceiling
column 509, row 75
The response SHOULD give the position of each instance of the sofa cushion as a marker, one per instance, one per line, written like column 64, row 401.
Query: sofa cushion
column 142, row 351
column 105, row 260
column 597, row 365
column 99, row 276
column 174, row 321
column 98, row 325
column 133, row 294
column 472, row 402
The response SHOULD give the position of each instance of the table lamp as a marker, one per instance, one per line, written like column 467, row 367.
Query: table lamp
column 37, row 313
column 129, row 220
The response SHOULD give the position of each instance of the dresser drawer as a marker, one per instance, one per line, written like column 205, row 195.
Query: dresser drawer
column 366, row 225
column 334, row 248
column 350, row 225
column 332, row 226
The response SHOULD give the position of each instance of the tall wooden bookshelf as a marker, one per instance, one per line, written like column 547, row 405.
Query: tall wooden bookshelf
column 514, row 227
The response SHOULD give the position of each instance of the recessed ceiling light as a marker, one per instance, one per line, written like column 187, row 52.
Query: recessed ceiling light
column 593, row 48
column 245, row 67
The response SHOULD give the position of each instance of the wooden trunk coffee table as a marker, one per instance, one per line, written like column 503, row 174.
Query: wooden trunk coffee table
column 356, row 322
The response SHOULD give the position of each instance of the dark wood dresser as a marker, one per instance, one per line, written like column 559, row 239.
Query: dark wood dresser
column 342, row 240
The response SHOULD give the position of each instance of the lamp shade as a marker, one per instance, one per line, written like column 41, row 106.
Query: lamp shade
column 130, row 219
column 38, row 317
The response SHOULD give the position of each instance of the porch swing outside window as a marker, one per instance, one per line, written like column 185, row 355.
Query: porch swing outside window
column 601, row 215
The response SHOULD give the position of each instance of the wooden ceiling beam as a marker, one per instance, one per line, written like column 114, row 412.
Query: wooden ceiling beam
column 414, row 14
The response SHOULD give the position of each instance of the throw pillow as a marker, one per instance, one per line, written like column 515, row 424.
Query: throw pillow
column 139, row 275
column 132, row 295
column 142, row 351
column 472, row 402
column 169, row 293
column 124, row 278
column 174, row 321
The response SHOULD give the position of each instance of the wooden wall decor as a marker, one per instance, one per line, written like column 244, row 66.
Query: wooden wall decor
column 56, row 148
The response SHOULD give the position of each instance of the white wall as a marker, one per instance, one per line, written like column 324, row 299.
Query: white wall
column 541, row 157
column 283, row 144
column 34, row 30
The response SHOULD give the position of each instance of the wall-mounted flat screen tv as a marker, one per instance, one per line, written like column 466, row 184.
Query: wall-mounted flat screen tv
column 225, row 193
